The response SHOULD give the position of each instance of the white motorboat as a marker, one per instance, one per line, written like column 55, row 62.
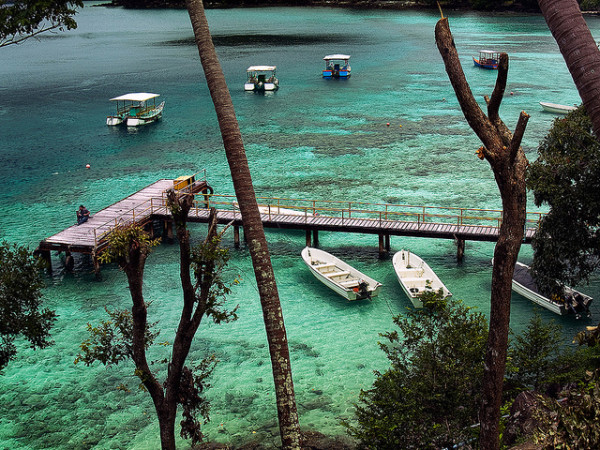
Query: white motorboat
column 570, row 302
column 261, row 78
column 136, row 109
column 416, row 277
column 276, row 209
column 556, row 108
column 339, row 276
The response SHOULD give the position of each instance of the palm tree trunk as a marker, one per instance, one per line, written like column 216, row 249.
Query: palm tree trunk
column 579, row 49
column 242, row 181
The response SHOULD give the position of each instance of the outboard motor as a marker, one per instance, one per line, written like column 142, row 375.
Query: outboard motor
column 363, row 290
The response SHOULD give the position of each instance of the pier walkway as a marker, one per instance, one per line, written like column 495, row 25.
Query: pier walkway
column 385, row 220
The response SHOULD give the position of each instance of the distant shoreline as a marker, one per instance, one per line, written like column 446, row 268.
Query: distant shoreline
column 350, row 4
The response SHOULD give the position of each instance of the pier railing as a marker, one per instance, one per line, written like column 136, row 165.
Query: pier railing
column 346, row 211
column 365, row 210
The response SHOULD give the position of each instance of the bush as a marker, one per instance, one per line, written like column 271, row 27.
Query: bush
column 430, row 396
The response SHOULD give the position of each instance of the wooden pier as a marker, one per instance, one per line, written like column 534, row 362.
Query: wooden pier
column 385, row 220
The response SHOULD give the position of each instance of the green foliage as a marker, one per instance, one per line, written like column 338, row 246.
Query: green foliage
column 566, row 176
column 430, row 395
column 21, row 312
column 193, row 383
column 112, row 341
column 590, row 5
column 122, row 240
column 209, row 261
column 533, row 356
column 24, row 18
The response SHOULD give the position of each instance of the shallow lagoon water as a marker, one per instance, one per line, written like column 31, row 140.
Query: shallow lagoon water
column 314, row 138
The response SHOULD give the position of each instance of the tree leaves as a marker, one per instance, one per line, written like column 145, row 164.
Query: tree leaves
column 21, row 312
column 566, row 177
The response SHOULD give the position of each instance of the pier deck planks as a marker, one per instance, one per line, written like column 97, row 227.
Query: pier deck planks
column 148, row 204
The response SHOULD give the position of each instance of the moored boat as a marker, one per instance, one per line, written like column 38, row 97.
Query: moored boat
column 488, row 59
column 416, row 277
column 337, row 66
column 339, row 276
column 261, row 78
column 570, row 301
column 136, row 109
column 276, row 209
column 556, row 108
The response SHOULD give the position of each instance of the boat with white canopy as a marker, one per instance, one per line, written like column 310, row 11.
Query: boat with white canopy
column 137, row 108
column 337, row 66
column 261, row 78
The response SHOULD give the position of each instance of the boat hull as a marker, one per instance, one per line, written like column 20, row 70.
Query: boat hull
column 114, row 120
column 416, row 277
column 336, row 74
column 260, row 87
column 556, row 108
column 339, row 276
column 477, row 63
column 144, row 119
column 573, row 301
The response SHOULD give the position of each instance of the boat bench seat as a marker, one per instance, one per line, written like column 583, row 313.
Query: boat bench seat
column 350, row 283
column 337, row 274
column 324, row 266
column 415, row 281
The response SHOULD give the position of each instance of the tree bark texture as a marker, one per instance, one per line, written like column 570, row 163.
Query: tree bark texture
column 503, row 151
column 253, row 228
column 134, row 269
column 579, row 49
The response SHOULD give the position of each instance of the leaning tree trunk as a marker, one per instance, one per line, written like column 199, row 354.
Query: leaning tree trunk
column 253, row 229
column 503, row 152
column 579, row 49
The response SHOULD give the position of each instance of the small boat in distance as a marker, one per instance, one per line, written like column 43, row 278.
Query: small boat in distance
column 488, row 59
column 261, row 78
column 570, row 302
column 416, row 277
column 276, row 209
column 337, row 66
column 134, row 109
column 556, row 108
column 338, row 276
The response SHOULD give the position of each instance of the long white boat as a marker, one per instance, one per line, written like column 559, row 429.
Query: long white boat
column 339, row 276
column 276, row 209
column 136, row 109
column 556, row 108
column 416, row 277
column 570, row 302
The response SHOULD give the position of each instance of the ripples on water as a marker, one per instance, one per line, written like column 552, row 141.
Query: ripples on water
column 314, row 138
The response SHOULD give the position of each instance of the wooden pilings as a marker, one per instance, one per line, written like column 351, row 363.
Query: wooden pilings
column 384, row 244
column 460, row 249
column 236, row 236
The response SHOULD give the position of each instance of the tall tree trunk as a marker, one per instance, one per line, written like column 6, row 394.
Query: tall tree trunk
column 134, row 269
column 253, row 228
column 503, row 151
column 579, row 49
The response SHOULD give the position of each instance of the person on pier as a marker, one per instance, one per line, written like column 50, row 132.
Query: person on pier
column 82, row 215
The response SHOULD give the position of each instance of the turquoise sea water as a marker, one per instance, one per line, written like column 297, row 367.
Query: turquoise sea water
column 314, row 138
